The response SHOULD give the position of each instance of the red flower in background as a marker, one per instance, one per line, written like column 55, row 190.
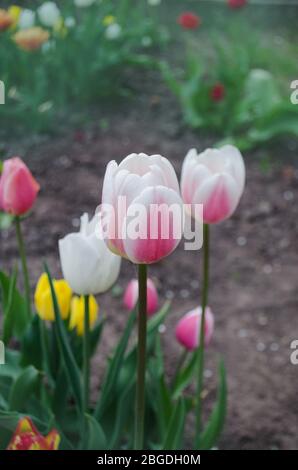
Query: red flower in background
column 189, row 20
column 237, row 3
column 217, row 92
column 27, row 437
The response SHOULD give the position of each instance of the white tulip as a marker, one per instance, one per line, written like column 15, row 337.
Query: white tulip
column 87, row 264
column 113, row 31
column 49, row 14
column 214, row 178
column 83, row 3
column 26, row 19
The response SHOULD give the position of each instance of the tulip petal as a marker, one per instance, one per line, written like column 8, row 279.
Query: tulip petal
column 219, row 196
column 160, row 229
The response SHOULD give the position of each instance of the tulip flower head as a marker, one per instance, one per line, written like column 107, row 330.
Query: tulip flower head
column 189, row 20
column 6, row 19
column 27, row 437
column 18, row 188
column 188, row 328
column 32, row 38
column 142, row 206
column 77, row 313
column 83, row 3
column 43, row 298
column 132, row 293
column 214, row 178
column 49, row 14
column 87, row 264
column 217, row 92
column 236, row 3
column 26, row 19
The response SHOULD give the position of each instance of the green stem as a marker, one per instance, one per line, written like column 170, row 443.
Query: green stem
column 181, row 361
column 141, row 367
column 86, row 354
column 24, row 264
column 198, row 426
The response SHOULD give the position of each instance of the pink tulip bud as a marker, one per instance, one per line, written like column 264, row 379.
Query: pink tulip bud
column 188, row 328
column 18, row 188
column 132, row 293
column 215, row 179
column 143, row 208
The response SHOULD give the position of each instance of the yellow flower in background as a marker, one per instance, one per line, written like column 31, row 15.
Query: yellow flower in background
column 43, row 298
column 14, row 11
column 109, row 19
column 32, row 38
column 60, row 29
column 77, row 313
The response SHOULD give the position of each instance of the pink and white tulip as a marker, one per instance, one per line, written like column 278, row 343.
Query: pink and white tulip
column 214, row 178
column 18, row 188
column 188, row 328
column 131, row 296
column 142, row 182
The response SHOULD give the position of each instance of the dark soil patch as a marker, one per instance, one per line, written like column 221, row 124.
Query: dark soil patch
column 253, row 264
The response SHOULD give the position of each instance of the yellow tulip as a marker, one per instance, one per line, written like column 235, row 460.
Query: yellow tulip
column 109, row 19
column 14, row 11
column 60, row 28
column 43, row 298
column 77, row 313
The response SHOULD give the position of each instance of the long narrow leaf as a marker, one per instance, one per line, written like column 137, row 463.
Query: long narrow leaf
column 109, row 386
column 71, row 368
column 215, row 425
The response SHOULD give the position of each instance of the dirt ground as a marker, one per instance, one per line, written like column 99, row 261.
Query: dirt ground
column 254, row 261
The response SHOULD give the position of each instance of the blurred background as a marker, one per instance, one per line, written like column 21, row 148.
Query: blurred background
column 90, row 81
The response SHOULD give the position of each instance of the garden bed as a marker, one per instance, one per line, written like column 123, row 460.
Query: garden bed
column 254, row 261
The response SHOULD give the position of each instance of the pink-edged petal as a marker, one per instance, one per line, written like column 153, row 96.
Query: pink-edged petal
column 160, row 226
column 219, row 195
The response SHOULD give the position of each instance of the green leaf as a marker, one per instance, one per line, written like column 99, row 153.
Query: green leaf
column 71, row 368
column 95, row 437
column 216, row 422
column 129, row 363
column 184, row 377
column 123, row 411
column 31, row 345
column 12, row 367
column 176, row 427
column 14, row 306
column 8, row 315
column 23, row 387
column 109, row 387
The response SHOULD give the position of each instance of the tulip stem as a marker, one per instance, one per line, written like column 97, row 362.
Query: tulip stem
column 24, row 265
column 141, row 366
column 198, row 426
column 86, row 354
column 180, row 364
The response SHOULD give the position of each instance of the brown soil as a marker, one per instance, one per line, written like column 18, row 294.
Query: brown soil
column 253, row 263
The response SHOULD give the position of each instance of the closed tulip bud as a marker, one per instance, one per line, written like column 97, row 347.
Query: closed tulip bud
column 131, row 296
column 87, row 264
column 214, row 178
column 27, row 437
column 18, row 188
column 145, row 186
column 77, row 313
column 6, row 19
column 43, row 298
column 188, row 328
